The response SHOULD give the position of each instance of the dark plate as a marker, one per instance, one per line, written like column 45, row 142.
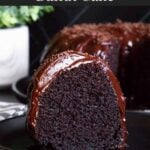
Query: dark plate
column 138, row 124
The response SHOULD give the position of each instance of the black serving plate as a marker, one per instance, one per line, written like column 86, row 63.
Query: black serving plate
column 16, row 137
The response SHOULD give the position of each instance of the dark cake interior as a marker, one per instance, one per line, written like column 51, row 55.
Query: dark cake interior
column 79, row 111
column 80, row 108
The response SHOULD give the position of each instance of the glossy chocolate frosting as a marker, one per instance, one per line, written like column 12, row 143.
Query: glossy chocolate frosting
column 90, row 41
column 129, row 35
column 99, row 37
column 52, row 67
column 83, row 39
column 120, row 39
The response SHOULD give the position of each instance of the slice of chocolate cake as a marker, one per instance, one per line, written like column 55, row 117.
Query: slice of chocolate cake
column 76, row 104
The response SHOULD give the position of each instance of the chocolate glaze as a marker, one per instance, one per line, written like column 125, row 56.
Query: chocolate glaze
column 93, row 42
column 51, row 68
column 83, row 39
column 96, row 39
column 100, row 36
column 128, row 34
column 103, row 40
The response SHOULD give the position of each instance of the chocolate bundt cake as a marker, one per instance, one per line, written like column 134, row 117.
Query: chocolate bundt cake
column 126, row 48
column 76, row 104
